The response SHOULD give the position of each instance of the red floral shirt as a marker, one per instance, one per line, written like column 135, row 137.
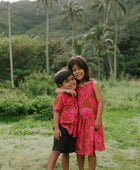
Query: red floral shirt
column 66, row 104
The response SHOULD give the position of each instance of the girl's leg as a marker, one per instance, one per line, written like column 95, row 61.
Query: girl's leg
column 81, row 161
column 65, row 161
column 92, row 162
column 52, row 159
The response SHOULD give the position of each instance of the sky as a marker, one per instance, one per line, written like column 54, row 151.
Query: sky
column 14, row 0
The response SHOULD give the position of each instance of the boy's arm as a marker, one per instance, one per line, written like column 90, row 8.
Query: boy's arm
column 98, row 94
column 57, row 132
column 60, row 90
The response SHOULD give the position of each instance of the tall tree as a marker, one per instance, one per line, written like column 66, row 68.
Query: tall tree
column 99, row 36
column 101, row 6
column 74, row 12
column 10, row 44
column 112, row 8
column 46, row 4
column 78, row 47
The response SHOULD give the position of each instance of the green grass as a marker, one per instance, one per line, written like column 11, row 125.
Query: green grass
column 25, row 143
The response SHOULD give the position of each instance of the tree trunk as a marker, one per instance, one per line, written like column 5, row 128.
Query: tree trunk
column 111, row 71
column 72, row 36
column 99, row 71
column 115, row 47
column 47, row 51
column 10, row 45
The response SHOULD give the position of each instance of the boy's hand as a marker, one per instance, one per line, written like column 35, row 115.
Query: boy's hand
column 57, row 134
column 68, row 91
column 72, row 92
column 97, row 124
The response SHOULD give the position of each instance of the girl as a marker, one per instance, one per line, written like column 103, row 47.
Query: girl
column 89, row 136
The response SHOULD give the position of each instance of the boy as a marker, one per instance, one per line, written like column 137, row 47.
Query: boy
column 65, row 112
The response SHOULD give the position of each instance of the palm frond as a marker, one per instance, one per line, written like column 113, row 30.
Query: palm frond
column 122, row 7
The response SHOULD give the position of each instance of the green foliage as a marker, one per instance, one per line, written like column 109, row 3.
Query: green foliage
column 60, row 62
column 78, row 47
column 38, row 84
column 129, row 43
column 121, row 110
column 42, row 107
column 29, row 51
column 118, row 95
column 32, row 97
column 121, row 131
column 13, row 103
column 28, row 56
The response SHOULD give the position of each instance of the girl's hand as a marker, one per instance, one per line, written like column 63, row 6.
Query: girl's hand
column 97, row 124
column 57, row 134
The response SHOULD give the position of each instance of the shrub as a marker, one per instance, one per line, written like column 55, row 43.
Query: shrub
column 38, row 84
column 13, row 103
column 42, row 107
column 28, row 56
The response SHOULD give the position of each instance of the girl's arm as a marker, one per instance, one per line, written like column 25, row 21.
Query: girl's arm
column 99, row 97
column 57, row 132
column 61, row 90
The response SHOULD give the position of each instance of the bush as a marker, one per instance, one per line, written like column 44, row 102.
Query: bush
column 42, row 107
column 38, row 84
column 13, row 103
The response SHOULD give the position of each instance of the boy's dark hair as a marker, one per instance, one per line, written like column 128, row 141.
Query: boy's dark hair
column 81, row 62
column 61, row 76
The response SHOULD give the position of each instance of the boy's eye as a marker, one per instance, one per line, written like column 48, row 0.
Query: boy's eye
column 73, row 70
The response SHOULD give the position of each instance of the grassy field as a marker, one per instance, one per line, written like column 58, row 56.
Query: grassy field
column 25, row 143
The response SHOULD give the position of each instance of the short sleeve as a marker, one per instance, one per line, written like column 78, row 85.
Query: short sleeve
column 58, row 103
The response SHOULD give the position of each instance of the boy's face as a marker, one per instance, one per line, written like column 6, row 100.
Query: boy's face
column 69, row 83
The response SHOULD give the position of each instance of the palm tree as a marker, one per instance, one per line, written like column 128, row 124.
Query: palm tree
column 111, row 8
column 109, row 52
column 114, row 7
column 45, row 4
column 10, row 44
column 101, row 6
column 74, row 12
column 78, row 47
column 99, row 37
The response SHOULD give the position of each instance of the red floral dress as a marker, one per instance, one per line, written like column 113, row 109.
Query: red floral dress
column 88, row 140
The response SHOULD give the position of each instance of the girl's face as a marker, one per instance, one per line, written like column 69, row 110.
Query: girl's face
column 78, row 72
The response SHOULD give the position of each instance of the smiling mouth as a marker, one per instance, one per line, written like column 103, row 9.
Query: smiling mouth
column 73, row 85
column 78, row 75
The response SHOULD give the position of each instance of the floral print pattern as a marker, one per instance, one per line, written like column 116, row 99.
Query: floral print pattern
column 66, row 104
column 88, row 140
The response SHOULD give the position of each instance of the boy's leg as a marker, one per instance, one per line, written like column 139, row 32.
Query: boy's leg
column 81, row 161
column 52, row 159
column 92, row 162
column 65, row 161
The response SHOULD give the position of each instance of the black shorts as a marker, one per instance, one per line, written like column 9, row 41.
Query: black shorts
column 66, row 143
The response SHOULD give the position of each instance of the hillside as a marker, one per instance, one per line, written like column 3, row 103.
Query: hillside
column 26, row 19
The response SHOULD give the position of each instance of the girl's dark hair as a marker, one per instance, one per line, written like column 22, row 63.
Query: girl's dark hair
column 61, row 76
column 81, row 62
